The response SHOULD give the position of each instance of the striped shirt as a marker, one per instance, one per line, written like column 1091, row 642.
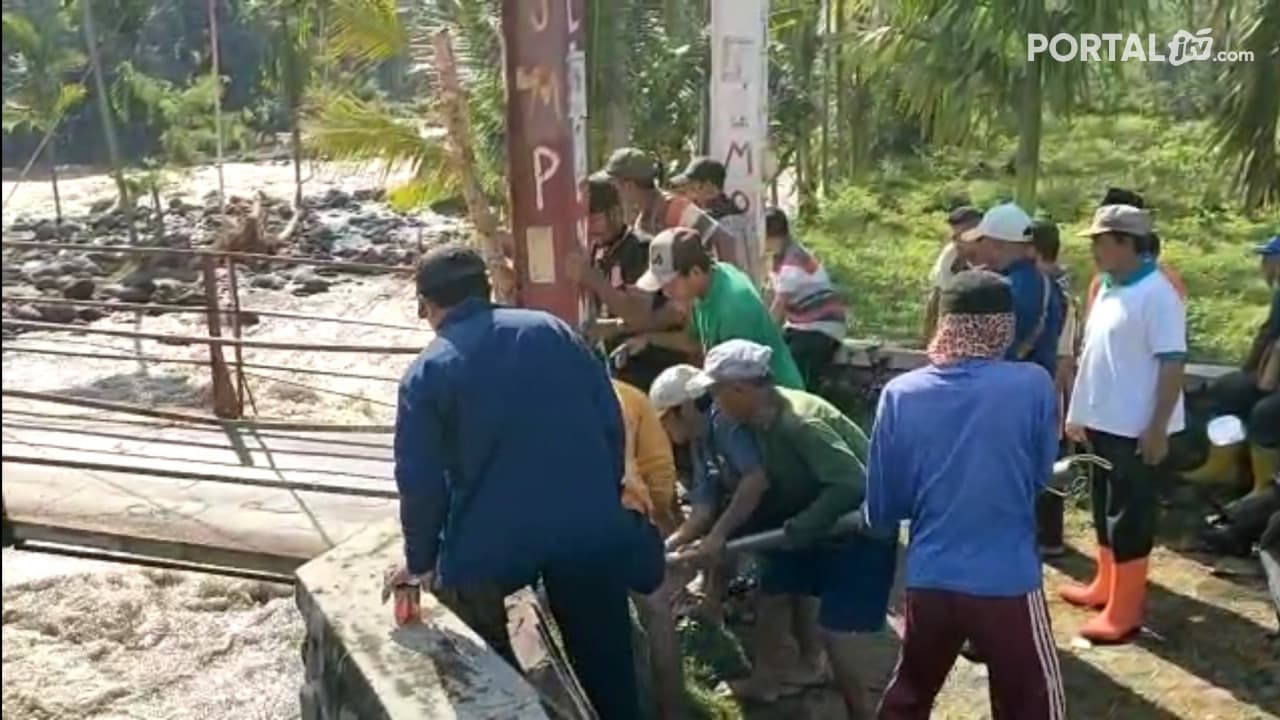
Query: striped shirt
column 812, row 302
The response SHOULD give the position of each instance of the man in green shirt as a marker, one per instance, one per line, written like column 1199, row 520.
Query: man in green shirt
column 811, row 471
column 723, row 303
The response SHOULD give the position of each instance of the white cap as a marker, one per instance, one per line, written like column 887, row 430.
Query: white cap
column 1006, row 222
column 671, row 388
column 731, row 361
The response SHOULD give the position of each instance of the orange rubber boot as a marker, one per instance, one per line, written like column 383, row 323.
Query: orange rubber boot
column 1123, row 615
column 1096, row 593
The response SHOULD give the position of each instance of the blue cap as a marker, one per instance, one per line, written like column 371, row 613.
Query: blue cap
column 1270, row 247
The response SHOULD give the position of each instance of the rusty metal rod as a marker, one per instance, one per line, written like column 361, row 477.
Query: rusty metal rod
column 73, row 423
column 125, row 455
column 200, row 477
column 161, row 309
column 182, row 417
column 214, row 341
column 205, row 252
column 179, row 442
column 195, row 361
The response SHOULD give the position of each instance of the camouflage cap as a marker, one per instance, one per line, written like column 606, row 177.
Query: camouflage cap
column 630, row 164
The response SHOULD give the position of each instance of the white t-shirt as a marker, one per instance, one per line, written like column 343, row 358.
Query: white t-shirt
column 1128, row 330
column 941, row 271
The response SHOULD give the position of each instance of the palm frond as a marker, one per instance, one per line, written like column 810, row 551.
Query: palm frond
column 20, row 35
column 1247, row 127
column 367, row 32
column 70, row 95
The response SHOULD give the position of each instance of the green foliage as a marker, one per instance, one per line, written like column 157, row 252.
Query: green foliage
column 343, row 127
column 40, row 58
column 879, row 237
column 183, row 116
column 1248, row 121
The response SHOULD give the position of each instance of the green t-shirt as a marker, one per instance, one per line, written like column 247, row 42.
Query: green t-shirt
column 733, row 310
column 815, row 459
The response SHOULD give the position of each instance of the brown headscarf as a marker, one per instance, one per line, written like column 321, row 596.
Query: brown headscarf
column 977, row 318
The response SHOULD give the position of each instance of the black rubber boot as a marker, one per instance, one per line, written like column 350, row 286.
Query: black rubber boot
column 1049, row 511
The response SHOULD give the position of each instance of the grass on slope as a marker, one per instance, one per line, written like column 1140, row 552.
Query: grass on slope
column 879, row 237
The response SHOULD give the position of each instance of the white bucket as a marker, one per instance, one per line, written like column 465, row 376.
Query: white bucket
column 1226, row 431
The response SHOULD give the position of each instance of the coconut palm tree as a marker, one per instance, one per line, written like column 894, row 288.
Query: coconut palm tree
column 41, row 95
column 966, row 59
column 1247, row 122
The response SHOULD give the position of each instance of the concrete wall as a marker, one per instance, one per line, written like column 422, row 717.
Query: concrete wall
column 360, row 666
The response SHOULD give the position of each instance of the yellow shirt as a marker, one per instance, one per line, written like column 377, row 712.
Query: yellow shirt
column 649, row 485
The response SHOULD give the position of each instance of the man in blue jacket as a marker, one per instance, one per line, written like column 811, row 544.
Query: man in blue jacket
column 973, row 573
column 509, row 461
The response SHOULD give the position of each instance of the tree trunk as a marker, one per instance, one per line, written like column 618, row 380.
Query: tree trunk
column 295, row 140
column 1030, row 126
column 453, row 101
column 841, row 91
column 108, row 127
column 52, row 156
column 827, row 43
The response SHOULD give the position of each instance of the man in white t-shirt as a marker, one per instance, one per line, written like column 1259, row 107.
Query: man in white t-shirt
column 1126, row 402
column 950, row 261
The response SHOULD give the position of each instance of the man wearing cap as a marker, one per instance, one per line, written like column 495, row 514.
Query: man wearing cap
column 724, row 304
column 961, row 448
column 953, row 258
column 619, row 256
column 810, row 473
column 1253, row 393
column 803, row 301
column 1002, row 242
column 1126, row 403
column 1150, row 246
column 703, row 183
column 635, row 175
column 509, row 462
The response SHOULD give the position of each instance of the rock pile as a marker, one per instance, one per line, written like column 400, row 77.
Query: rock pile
column 358, row 227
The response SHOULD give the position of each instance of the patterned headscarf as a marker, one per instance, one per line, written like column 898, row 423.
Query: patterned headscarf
column 968, row 336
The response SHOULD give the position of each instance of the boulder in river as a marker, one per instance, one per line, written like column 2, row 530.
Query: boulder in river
column 307, row 282
column 57, row 313
column 139, row 293
column 78, row 289
column 268, row 281
column 46, row 230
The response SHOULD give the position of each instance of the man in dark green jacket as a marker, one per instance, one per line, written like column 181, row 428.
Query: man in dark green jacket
column 811, row 470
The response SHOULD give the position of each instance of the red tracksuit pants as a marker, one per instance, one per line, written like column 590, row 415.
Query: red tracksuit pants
column 1011, row 634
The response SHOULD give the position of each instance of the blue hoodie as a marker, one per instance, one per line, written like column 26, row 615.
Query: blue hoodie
column 508, row 448
column 961, row 451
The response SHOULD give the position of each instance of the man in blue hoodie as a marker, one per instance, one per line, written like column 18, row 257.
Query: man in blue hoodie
column 973, row 573
column 509, row 462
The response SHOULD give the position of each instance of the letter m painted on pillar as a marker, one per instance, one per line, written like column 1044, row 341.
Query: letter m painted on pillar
column 742, row 150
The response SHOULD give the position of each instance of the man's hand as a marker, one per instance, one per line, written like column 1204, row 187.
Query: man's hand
column 398, row 576
column 710, row 550
column 1154, row 445
column 1076, row 434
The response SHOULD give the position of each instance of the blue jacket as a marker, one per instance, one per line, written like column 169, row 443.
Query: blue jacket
column 962, row 451
column 509, row 448
column 1028, row 284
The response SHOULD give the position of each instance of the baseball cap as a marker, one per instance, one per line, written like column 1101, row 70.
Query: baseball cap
column 964, row 214
column 671, row 388
column 669, row 251
column 732, row 361
column 702, row 169
column 1006, row 222
column 447, row 264
column 629, row 164
column 1269, row 248
column 1123, row 219
column 976, row 292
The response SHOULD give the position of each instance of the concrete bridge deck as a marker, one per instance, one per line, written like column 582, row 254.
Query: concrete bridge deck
column 276, row 493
